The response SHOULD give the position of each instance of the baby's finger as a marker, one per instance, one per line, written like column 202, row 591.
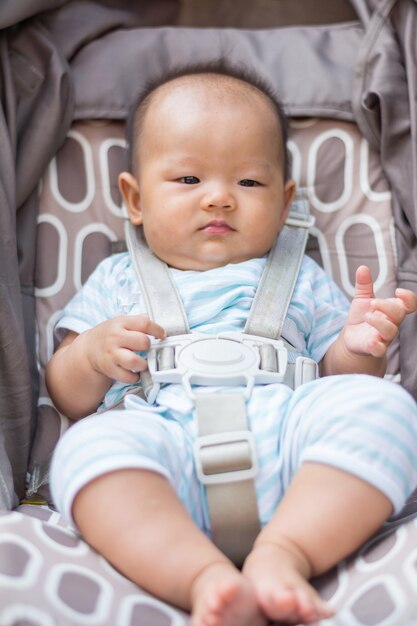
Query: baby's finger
column 145, row 325
column 364, row 287
column 385, row 327
column 131, row 363
column 408, row 298
column 121, row 375
column 393, row 308
column 154, row 329
column 377, row 349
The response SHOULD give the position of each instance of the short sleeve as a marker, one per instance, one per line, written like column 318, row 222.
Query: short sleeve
column 319, row 309
column 96, row 301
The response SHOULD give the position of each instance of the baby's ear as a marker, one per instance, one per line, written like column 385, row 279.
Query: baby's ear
column 129, row 189
column 289, row 194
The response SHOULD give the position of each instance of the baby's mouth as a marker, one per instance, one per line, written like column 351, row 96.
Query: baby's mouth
column 217, row 227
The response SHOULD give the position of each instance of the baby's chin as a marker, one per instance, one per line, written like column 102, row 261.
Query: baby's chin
column 211, row 255
column 203, row 265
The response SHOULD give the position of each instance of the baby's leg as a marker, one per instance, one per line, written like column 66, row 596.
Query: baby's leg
column 111, row 472
column 348, row 446
column 325, row 515
column 134, row 518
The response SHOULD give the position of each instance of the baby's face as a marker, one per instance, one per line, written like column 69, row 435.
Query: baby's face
column 210, row 179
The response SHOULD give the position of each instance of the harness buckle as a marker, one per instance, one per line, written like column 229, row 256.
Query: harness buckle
column 228, row 359
column 306, row 370
column 225, row 457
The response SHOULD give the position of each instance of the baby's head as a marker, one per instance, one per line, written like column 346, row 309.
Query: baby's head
column 209, row 179
column 214, row 75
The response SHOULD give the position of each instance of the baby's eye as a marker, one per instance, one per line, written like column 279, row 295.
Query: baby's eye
column 189, row 180
column 248, row 182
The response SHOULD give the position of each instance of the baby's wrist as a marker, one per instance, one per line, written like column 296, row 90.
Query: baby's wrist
column 89, row 345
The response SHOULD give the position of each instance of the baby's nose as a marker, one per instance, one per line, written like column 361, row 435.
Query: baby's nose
column 219, row 196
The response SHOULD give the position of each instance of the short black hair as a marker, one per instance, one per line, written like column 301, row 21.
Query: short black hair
column 219, row 67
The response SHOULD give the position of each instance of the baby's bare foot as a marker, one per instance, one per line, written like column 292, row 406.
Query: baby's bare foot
column 223, row 597
column 282, row 591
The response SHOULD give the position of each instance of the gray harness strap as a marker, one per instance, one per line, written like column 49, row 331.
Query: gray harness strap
column 224, row 451
column 159, row 291
column 273, row 296
column 226, row 465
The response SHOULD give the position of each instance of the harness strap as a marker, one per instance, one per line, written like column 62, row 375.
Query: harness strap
column 273, row 296
column 226, row 464
column 158, row 289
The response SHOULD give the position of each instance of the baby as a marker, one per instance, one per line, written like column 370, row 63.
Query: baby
column 209, row 185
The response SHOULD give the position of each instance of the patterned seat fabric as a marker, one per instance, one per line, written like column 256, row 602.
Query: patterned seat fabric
column 49, row 577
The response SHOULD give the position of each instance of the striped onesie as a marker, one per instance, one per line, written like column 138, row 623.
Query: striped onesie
column 361, row 424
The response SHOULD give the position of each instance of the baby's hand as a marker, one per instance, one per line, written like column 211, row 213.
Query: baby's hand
column 373, row 322
column 112, row 346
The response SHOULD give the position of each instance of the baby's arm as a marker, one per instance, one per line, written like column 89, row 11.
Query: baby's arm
column 371, row 326
column 85, row 365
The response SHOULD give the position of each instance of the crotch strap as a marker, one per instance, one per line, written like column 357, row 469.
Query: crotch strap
column 226, row 464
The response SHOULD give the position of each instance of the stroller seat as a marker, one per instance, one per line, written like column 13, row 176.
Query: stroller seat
column 80, row 222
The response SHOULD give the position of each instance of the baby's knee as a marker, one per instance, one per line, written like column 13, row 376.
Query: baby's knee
column 390, row 398
column 107, row 443
column 363, row 425
column 361, row 404
column 363, row 390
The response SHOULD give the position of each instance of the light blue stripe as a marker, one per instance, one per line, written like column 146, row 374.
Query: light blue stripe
column 364, row 425
column 344, row 447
